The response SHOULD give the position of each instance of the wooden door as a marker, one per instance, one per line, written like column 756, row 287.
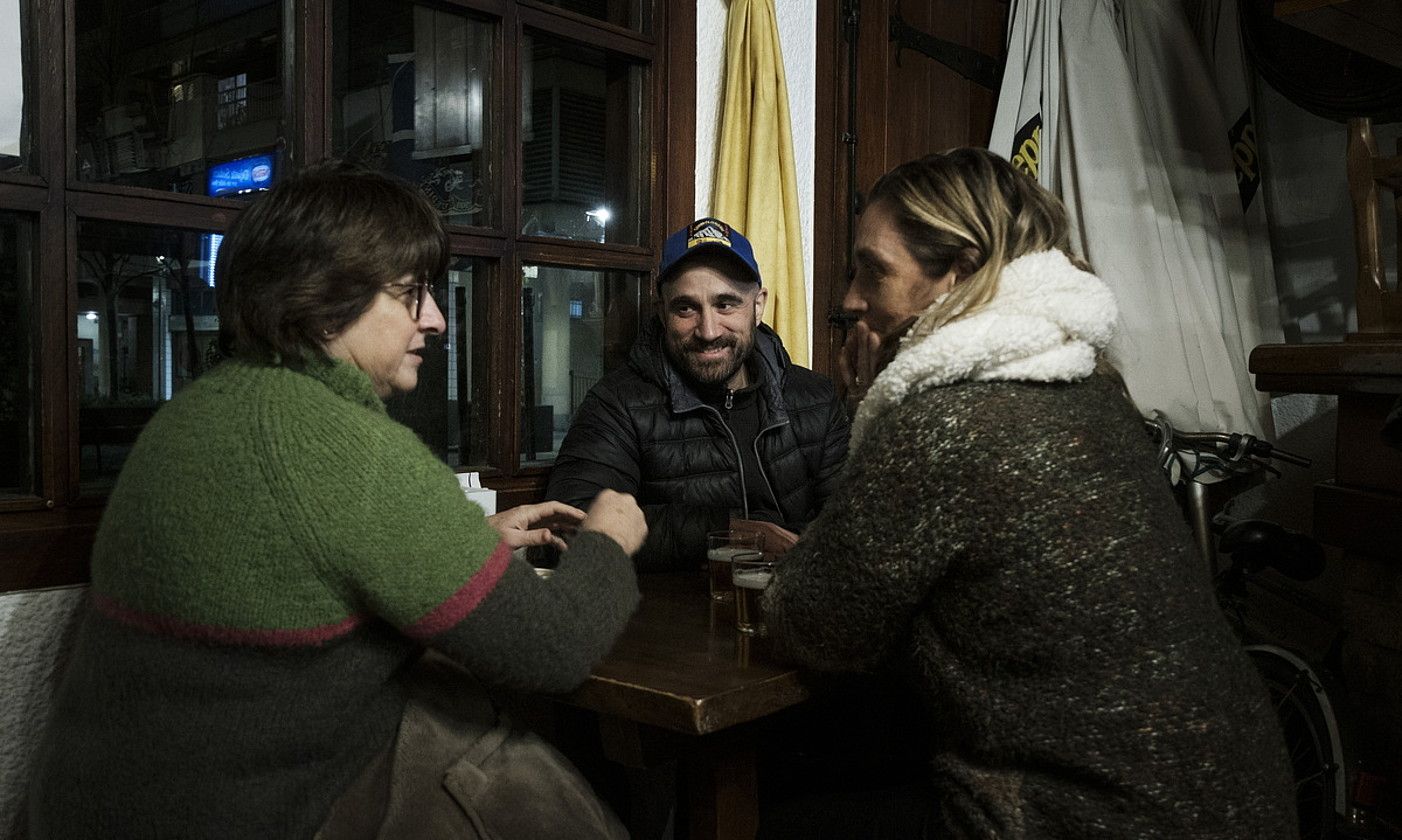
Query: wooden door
column 882, row 101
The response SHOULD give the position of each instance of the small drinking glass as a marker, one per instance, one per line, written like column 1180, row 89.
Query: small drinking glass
column 720, row 547
column 751, row 574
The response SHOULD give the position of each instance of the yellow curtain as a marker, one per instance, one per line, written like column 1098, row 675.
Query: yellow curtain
column 756, row 190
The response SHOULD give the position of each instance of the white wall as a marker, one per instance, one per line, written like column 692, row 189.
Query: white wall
column 36, row 631
column 798, row 25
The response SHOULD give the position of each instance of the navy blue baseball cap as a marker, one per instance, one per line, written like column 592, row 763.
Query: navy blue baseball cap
column 702, row 236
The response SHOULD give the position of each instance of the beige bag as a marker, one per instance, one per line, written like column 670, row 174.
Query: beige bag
column 459, row 769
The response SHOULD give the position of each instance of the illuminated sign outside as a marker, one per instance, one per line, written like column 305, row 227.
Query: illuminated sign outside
column 241, row 175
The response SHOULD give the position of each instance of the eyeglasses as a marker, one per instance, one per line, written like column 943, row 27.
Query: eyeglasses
column 423, row 290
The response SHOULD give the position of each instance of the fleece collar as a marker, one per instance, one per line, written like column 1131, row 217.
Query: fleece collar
column 1045, row 324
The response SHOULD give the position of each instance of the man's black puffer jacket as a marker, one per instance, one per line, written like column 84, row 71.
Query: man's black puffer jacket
column 644, row 430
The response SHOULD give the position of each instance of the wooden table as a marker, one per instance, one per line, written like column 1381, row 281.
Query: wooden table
column 1359, row 511
column 682, row 684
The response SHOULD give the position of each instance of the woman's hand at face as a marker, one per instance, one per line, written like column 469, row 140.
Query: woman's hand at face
column 618, row 517
column 536, row 524
column 860, row 360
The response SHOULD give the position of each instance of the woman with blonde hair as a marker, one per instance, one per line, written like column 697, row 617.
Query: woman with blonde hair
column 1002, row 540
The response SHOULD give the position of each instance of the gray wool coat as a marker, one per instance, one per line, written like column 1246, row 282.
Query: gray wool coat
column 1010, row 548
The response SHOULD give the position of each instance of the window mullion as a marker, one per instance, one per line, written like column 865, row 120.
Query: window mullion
column 306, row 35
column 579, row 27
column 59, row 333
column 506, row 279
column 586, row 255
column 53, row 35
column 674, row 146
column 155, row 209
column 496, row 8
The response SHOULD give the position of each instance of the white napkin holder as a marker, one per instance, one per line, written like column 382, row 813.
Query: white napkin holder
column 483, row 497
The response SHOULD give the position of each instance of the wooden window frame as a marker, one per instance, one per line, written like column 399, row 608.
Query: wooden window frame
column 46, row 540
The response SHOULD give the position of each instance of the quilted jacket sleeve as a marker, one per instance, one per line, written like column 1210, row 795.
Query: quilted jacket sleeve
column 601, row 451
column 834, row 453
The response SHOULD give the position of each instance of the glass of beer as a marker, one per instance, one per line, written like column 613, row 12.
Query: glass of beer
column 750, row 573
column 721, row 546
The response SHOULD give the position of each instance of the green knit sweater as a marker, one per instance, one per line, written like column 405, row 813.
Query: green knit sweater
column 275, row 552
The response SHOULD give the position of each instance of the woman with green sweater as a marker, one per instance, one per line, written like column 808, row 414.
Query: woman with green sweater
column 1002, row 540
column 278, row 553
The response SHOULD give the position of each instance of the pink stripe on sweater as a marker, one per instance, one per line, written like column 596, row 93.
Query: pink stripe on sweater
column 168, row 626
column 466, row 599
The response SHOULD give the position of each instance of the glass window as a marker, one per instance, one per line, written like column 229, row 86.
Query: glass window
column 411, row 89
column 147, row 325
column 183, row 97
column 584, row 142
column 577, row 325
column 15, row 109
column 449, row 408
column 632, row 14
column 19, row 392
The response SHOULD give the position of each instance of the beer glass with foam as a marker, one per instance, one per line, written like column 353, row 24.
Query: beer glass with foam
column 750, row 573
column 721, row 546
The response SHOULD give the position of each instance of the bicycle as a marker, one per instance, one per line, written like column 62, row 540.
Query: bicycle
column 1206, row 470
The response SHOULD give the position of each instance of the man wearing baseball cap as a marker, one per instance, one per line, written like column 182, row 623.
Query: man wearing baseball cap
column 709, row 420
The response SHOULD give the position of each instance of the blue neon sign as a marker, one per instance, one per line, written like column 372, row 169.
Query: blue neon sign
column 241, row 175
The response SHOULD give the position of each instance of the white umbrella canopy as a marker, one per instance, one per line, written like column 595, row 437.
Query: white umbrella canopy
column 1216, row 27
column 1134, row 142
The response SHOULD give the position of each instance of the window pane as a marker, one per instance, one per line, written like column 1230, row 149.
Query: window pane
column 147, row 325
column 411, row 90
column 16, row 100
column 19, row 392
column 584, row 142
column 184, row 97
column 449, row 408
column 577, row 325
column 634, row 14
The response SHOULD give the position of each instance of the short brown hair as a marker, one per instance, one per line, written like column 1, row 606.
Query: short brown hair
column 306, row 260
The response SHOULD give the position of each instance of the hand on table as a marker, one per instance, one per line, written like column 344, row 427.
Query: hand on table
column 526, row 525
column 618, row 517
column 777, row 539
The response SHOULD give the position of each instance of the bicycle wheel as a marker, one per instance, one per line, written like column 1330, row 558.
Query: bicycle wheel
column 1311, row 738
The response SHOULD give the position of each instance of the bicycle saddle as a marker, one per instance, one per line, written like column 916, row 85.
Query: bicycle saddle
column 1256, row 544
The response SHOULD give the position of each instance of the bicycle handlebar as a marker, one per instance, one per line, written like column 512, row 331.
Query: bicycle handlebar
column 1231, row 448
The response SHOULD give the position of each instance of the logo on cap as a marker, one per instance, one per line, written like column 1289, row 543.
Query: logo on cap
column 708, row 230
column 702, row 236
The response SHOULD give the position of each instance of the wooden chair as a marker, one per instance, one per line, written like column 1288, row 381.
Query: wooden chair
column 1361, row 509
column 1379, row 307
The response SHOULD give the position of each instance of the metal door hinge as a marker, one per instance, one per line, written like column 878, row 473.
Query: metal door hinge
column 983, row 70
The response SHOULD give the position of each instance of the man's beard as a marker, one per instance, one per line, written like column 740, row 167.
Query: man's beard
column 715, row 372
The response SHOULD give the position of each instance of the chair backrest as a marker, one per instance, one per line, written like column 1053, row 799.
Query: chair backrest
column 1379, row 307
